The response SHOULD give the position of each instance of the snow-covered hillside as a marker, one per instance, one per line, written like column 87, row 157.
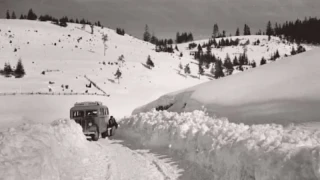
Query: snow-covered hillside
column 282, row 92
column 66, row 55
column 266, row 48
column 60, row 59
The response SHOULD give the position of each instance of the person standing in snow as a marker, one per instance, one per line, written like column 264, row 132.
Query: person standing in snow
column 112, row 125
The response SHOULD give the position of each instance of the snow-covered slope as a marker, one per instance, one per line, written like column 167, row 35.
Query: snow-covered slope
column 283, row 92
column 266, row 48
column 67, row 55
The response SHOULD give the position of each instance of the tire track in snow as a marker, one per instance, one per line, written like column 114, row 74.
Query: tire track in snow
column 137, row 164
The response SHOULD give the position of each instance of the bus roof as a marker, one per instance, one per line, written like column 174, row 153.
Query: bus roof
column 88, row 105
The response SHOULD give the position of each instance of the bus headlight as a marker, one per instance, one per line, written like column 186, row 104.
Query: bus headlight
column 90, row 124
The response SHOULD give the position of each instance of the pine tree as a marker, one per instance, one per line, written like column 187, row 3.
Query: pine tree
column 187, row 69
column 235, row 61
column 263, row 61
column 276, row 55
column 215, row 31
column 180, row 67
column 228, row 64
column 121, row 59
column 13, row 15
column 21, row 16
column 269, row 30
column 293, row 51
column 150, row 62
column 253, row 64
column 31, row 15
column 153, row 39
column 223, row 33
column 246, row 30
column 104, row 40
column 218, row 69
column 238, row 32
column 8, row 15
column 92, row 28
column 7, row 70
column 19, row 71
column 176, row 48
column 200, row 71
column 118, row 75
column 146, row 35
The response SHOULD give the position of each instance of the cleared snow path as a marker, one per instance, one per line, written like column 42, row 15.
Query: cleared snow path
column 137, row 164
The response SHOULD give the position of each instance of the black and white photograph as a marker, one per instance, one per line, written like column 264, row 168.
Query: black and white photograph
column 159, row 89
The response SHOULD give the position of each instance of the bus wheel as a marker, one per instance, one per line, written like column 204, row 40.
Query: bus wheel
column 104, row 134
column 95, row 136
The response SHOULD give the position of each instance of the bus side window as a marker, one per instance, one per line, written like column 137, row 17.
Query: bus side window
column 107, row 110
column 101, row 111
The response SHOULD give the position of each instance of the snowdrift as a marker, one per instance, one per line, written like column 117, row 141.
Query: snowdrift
column 54, row 151
column 286, row 91
column 231, row 151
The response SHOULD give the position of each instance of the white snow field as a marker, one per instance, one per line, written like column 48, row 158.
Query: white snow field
column 227, row 150
column 283, row 92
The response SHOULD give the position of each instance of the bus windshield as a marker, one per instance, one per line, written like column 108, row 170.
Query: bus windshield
column 92, row 113
column 78, row 114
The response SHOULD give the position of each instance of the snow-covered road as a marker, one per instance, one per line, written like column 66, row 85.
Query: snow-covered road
column 130, row 164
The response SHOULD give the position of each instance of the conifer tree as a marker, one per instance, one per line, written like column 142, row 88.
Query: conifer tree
column 246, row 30
column 228, row 64
column 187, row 69
column 218, row 69
column 13, row 15
column 235, row 61
column 238, row 32
column 180, row 67
column 121, row 59
column 263, row 61
column 215, row 31
column 19, row 71
column 253, row 64
column 92, row 28
column 293, row 51
column 269, row 30
column 146, row 35
column 118, row 75
column 150, row 62
column 31, row 15
column 8, row 15
column 153, row 39
column 104, row 40
column 7, row 70
column 200, row 71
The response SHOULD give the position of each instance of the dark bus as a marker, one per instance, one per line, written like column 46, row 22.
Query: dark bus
column 93, row 118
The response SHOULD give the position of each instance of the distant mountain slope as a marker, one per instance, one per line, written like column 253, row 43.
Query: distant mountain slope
column 55, row 57
column 283, row 92
column 167, row 17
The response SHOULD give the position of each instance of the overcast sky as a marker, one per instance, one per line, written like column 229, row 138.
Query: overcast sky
column 166, row 17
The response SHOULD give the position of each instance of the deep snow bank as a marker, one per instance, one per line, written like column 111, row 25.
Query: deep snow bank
column 286, row 91
column 231, row 151
column 53, row 151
